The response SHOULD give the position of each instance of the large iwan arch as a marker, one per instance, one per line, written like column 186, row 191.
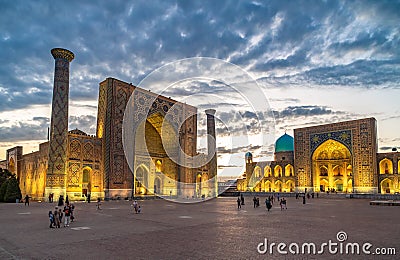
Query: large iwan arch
column 332, row 167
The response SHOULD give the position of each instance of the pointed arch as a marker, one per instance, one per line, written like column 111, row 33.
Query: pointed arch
column 289, row 185
column 386, row 166
column 278, row 171
column 268, row 186
column 386, row 186
column 278, row 186
column 267, row 171
column 257, row 172
column 141, row 176
column 289, row 170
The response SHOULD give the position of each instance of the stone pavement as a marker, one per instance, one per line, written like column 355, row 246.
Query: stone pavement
column 213, row 229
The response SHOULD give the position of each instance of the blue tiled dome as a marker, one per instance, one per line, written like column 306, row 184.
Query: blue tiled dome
column 285, row 143
column 248, row 154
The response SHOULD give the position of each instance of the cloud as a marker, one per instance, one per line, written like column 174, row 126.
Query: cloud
column 86, row 123
column 35, row 129
column 299, row 111
column 241, row 149
column 127, row 40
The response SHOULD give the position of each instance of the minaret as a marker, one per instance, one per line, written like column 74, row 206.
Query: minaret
column 56, row 169
column 212, row 152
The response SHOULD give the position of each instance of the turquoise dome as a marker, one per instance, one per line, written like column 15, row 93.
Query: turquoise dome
column 285, row 143
column 248, row 154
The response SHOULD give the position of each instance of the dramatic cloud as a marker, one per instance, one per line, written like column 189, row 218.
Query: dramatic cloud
column 85, row 123
column 35, row 129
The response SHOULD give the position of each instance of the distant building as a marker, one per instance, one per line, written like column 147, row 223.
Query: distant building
column 339, row 157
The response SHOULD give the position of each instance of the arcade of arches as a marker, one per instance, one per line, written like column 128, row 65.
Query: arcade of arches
column 389, row 176
column 341, row 157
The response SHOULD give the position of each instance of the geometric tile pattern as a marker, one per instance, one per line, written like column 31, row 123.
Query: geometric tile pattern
column 59, row 119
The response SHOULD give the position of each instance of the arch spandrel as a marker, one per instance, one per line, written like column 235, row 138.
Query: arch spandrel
column 331, row 149
column 344, row 137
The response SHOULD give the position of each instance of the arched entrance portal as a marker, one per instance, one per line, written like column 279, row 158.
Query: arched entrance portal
column 386, row 186
column 156, row 152
column 157, row 186
column 86, row 181
column 11, row 165
column 331, row 167
column 141, row 180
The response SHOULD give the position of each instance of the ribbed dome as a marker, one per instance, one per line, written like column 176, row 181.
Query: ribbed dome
column 248, row 154
column 77, row 132
column 285, row 143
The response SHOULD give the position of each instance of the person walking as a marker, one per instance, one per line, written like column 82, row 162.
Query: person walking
column 239, row 204
column 98, row 203
column 56, row 218
column 67, row 215
column 135, row 206
column 254, row 202
column 284, row 203
column 60, row 215
column 27, row 199
column 61, row 201
column 51, row 218
column 268, row 204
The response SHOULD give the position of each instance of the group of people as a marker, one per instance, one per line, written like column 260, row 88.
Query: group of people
column 240, row 201
column 256, row 202
column 269, row 201
column 56, row 217
column 136, row 207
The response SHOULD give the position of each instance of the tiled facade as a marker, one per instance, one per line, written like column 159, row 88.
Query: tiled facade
column 339, row 157
column 76, row 164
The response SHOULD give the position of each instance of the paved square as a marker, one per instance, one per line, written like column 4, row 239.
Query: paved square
column 210, row 230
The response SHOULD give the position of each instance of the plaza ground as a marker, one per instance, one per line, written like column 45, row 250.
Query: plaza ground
column 214, row 229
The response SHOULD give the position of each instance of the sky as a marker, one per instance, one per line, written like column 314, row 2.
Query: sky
column 316, row 62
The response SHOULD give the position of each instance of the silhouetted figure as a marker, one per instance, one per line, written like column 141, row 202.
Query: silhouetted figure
column 98, row 203
column 268, row 204
column 239, row 204
column 61, row 201
column 27, row 199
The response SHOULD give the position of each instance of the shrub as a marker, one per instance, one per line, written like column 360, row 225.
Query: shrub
column 13, row 191
column 3, row 189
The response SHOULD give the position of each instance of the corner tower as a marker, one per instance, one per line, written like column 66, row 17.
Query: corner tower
column 56, row 170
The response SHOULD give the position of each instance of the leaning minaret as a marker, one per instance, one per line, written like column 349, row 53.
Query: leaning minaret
column 212, row 152
column 56, row 169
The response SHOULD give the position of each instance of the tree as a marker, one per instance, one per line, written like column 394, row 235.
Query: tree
column 13, row 191
column 3, row 189
column 4, row 175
